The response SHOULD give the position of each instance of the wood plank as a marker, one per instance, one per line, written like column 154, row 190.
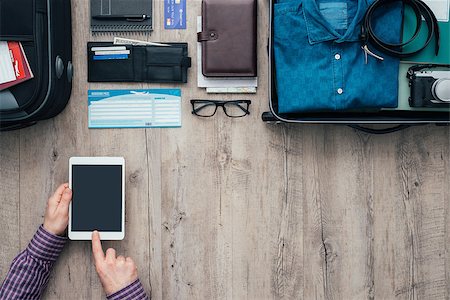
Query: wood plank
column 446, row 188
column 287, row 273
column 9, row 199
column 153, row 162
column 337, row 214
column 187, row 262
column 411, row 217
column 386, row 198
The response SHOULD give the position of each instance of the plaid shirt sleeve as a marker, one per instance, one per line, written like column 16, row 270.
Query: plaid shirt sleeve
column 134, row 291
column 30, row 270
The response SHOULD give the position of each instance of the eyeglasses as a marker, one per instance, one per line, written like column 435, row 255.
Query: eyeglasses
column 208, row 108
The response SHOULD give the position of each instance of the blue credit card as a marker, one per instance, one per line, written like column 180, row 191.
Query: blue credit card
column 175, row 14
column 114, row 56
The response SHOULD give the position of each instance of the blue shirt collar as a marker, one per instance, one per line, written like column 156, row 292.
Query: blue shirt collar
column 319, row 30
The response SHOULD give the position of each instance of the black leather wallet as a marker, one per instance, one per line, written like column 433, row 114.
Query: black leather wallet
column 157, row 64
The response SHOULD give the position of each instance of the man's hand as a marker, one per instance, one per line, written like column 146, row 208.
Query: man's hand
column 57, row 213
column 115, row 273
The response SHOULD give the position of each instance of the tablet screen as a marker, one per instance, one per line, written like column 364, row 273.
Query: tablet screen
column 97, row 197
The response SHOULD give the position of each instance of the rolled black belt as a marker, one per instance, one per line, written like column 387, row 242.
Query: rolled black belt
column 421, row 10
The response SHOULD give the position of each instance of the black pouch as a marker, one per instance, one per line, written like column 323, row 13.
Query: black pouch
column 17, row 19
column 154, row 64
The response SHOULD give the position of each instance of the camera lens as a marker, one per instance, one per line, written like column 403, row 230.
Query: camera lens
column 441, row 90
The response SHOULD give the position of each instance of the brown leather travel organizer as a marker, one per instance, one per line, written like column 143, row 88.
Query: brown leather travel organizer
column 228, row 38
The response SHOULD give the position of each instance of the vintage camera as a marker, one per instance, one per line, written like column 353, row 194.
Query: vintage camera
column 429, row 88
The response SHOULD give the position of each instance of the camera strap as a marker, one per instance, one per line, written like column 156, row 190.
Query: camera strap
column 421, row 10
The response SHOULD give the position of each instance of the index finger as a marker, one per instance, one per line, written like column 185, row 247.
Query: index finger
column 97, row 249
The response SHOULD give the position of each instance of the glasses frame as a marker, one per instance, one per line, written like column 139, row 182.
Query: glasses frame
column 221, row 104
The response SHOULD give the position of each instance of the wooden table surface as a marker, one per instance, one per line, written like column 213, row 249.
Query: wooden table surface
column 238, row 209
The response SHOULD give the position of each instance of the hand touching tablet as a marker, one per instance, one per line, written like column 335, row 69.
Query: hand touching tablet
column 115, row 273
column 30, row 271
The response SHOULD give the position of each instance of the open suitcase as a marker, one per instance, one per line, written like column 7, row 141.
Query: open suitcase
column 45, row 30
column 397, row 119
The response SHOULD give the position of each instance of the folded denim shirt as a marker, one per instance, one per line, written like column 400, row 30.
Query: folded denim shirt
column 319, row 63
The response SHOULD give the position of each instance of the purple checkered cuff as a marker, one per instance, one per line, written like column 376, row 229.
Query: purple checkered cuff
column 134, row 291
column 45, row 245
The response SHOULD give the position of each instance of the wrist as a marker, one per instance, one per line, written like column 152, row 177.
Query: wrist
column 133, row 291
column 52, row 230
column 119, row 287
column 45, row 245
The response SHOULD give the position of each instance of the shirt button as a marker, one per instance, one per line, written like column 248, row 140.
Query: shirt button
column 337, row 56
column 340, row 91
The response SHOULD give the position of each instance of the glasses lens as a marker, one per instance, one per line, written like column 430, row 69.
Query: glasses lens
column 236, row 109
column 204, row 109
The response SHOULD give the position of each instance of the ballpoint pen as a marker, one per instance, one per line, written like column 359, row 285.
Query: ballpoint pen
column 131, row 18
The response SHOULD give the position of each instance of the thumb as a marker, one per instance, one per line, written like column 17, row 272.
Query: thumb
column 55, row 198
column 65, row 200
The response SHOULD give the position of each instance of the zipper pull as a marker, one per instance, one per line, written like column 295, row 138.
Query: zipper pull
column 368, row 52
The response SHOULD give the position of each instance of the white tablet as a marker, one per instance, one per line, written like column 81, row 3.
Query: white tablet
column 98, row 197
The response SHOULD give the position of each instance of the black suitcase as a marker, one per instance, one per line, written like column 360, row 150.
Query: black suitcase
column 44, row 28
column 400, row 118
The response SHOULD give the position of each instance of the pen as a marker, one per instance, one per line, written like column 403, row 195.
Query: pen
column 132, row 18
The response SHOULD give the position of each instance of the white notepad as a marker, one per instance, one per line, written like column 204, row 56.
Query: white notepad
column 7, row 72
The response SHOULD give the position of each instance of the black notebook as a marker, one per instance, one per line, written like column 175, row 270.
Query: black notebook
column 101, row 9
